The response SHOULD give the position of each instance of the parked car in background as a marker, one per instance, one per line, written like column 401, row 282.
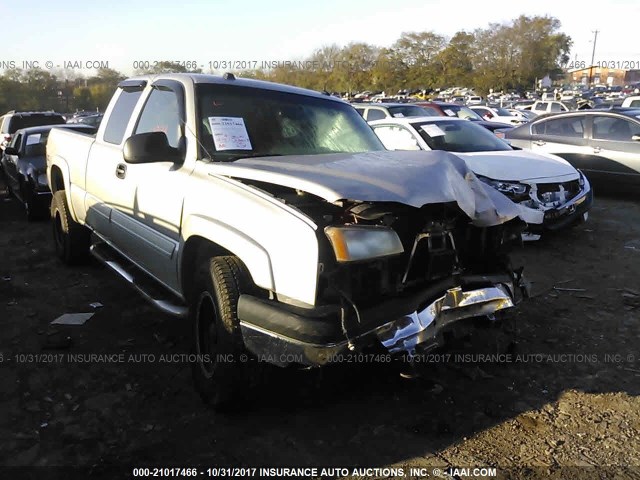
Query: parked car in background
column 24, row 167
column 474, row 100
column 631, row 89
column 496, row 114
column 604, row 144
column 464, row 112
column 551, row 193
column 527, row 115
column 376, row 111
column 541, row 106
column 12, row 121
column 92, row 120
column 631, row 102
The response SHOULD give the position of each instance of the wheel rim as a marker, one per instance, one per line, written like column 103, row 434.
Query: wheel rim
column 58, row 234
column 206, row 336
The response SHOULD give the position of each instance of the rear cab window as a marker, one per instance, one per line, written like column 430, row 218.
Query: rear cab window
column 121, row 114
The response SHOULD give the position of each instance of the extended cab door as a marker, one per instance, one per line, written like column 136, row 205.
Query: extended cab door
column 144, row 200
column 104, row 187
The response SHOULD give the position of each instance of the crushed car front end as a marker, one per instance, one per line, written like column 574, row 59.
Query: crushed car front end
column 548, row 205
column 389, row 275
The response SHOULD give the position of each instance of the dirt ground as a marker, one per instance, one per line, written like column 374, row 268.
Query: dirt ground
column 565, row 404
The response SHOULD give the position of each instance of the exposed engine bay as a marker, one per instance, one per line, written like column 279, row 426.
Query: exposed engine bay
column 438, row 241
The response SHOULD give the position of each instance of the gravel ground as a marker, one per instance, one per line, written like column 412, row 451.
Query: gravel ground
column 564, row 404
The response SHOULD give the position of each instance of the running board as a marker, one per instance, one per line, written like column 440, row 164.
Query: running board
column 149, row 288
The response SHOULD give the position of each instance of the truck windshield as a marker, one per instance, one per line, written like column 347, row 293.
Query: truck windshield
column 239, row 122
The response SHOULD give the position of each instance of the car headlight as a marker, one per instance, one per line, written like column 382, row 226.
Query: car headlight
column 353, row 243
column 510, row 189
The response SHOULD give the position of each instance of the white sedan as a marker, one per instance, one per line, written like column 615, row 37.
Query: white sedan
column 550, row 192
column 496, row 114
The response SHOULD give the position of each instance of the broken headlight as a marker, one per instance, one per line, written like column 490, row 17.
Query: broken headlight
column 360, row 242
column 513, row 190
column 581, row 178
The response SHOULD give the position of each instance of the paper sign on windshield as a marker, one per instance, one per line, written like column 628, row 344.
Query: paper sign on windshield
column 229, row 133
column 432, row 130
column 32, row 139
column 451, row 113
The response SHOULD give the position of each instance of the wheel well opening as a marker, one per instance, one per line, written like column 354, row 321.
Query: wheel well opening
column 196, row 250
column 57, row 180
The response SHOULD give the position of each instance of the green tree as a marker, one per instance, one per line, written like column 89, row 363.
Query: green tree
column 417, row 51
column 454, row 63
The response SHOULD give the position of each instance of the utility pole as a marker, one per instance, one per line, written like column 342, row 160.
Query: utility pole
column 593, row 56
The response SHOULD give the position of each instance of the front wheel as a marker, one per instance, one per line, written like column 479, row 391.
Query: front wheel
column 220, row 369
column 70, row 238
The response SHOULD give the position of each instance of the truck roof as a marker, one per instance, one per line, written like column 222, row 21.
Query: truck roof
column 230, row 79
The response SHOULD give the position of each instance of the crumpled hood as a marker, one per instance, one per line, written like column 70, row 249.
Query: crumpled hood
column 521, row 166
column 411, row 178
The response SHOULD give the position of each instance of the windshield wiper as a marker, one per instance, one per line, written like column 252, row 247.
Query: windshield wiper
column 233, row 158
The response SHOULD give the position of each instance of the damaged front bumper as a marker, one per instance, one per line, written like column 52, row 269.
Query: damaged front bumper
column 287, row 335
column 555, row 218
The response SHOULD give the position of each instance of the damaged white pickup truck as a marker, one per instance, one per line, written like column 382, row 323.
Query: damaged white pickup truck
column 274, row 219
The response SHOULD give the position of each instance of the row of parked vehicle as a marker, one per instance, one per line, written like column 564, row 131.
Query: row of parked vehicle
column 603, row 143
column 22, row 153
column 285, row 227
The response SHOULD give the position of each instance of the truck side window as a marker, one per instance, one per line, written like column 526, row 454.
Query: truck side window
column 120, row 116
column 160, row 114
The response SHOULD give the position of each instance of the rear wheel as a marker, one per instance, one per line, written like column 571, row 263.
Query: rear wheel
column 221, row 366
column 71, row 239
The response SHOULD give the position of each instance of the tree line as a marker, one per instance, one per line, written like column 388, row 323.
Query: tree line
column 506, row 56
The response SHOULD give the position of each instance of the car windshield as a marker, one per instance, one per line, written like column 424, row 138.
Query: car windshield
column 239, row 122
column 460, row 111
column 35, row 144
column 503, row 112
column 457, row 136
column 408, row 111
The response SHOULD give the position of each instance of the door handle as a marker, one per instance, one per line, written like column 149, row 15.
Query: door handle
column 539, row 142
column 596, row 149
column 121, row 170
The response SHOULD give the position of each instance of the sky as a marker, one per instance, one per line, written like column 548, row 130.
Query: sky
column 126, row 34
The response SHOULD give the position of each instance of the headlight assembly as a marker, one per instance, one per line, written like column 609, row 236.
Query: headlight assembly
column 510, row 189
column 353, row 243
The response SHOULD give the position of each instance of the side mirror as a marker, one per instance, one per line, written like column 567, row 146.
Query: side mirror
column 151, row 147
column 11, row 151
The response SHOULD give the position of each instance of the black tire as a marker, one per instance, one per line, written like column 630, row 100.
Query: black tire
column 71, row 239
column 220, row 372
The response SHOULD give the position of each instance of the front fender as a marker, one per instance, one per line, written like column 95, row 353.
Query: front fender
column 252, row 254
